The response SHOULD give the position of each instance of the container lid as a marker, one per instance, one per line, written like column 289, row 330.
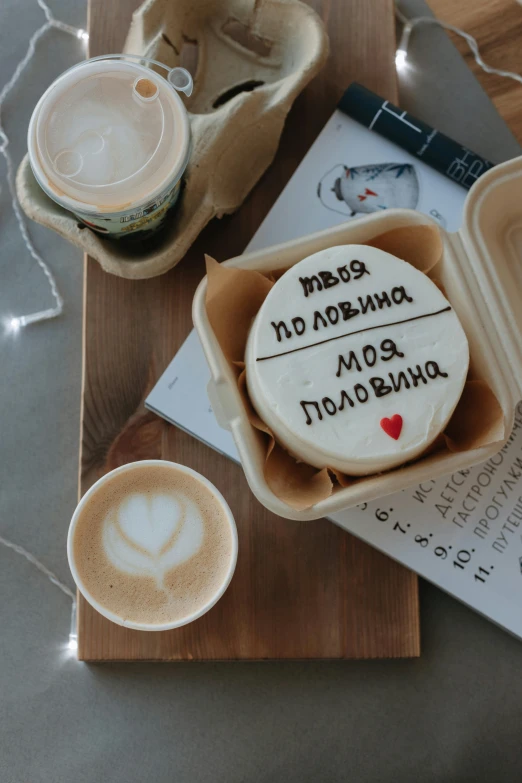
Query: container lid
column 492, row 236
column 109, row 135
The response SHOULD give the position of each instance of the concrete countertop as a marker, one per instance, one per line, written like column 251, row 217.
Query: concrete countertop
column 453, row 714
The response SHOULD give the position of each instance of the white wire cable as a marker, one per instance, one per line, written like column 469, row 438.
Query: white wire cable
column 409, row 25
column 40, row 566
column 73, row 640
column 13, row 324
column 400, row 16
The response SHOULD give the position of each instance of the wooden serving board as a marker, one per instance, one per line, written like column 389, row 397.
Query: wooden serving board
column 301, row 590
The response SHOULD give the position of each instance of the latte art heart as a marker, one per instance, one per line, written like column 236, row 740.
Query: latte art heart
column 149, row 523
column 148, row 536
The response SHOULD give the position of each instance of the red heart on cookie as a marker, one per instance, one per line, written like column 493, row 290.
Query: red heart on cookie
column 393, row 426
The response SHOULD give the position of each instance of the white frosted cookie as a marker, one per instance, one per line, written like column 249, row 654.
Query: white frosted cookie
column 356, row 360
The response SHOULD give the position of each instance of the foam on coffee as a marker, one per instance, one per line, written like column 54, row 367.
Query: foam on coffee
column 153, row 545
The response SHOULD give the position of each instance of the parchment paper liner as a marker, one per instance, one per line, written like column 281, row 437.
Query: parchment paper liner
column 233, row 298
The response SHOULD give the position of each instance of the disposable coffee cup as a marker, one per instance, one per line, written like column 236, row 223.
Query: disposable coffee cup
column 152, row 545
column 110, row 140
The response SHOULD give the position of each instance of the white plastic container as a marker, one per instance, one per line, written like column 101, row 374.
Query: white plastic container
column 109, row 141
column 481, row 270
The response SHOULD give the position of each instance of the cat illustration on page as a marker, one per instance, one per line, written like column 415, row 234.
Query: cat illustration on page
column 351, row 190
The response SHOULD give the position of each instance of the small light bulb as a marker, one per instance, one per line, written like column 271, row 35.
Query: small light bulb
column 73, row 630
column 400, row 59
column 12, row 325
column 83, row 35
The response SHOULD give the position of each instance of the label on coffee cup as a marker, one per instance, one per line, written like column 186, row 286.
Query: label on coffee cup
column 146, row 218
column 356, row 360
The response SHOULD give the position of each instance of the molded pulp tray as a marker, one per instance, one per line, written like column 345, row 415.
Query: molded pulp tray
column 255, row 57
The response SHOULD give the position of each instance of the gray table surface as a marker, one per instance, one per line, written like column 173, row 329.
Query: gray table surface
column 452, row 715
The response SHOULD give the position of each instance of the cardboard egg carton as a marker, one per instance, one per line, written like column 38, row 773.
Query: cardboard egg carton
column 253, row 59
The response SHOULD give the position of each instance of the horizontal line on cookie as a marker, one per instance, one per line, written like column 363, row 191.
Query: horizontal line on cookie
column 357, row 331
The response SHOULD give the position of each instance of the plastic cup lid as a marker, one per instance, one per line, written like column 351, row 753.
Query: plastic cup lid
column 110, row 135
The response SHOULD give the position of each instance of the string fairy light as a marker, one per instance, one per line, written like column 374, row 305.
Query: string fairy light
column 72, row 643
column 401, row 55
column 13, row 324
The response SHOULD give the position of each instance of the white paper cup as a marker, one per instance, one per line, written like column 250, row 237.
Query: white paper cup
column 109, row 140
column 105, row 611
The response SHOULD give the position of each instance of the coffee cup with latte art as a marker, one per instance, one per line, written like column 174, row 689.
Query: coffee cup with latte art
column 152, row 545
